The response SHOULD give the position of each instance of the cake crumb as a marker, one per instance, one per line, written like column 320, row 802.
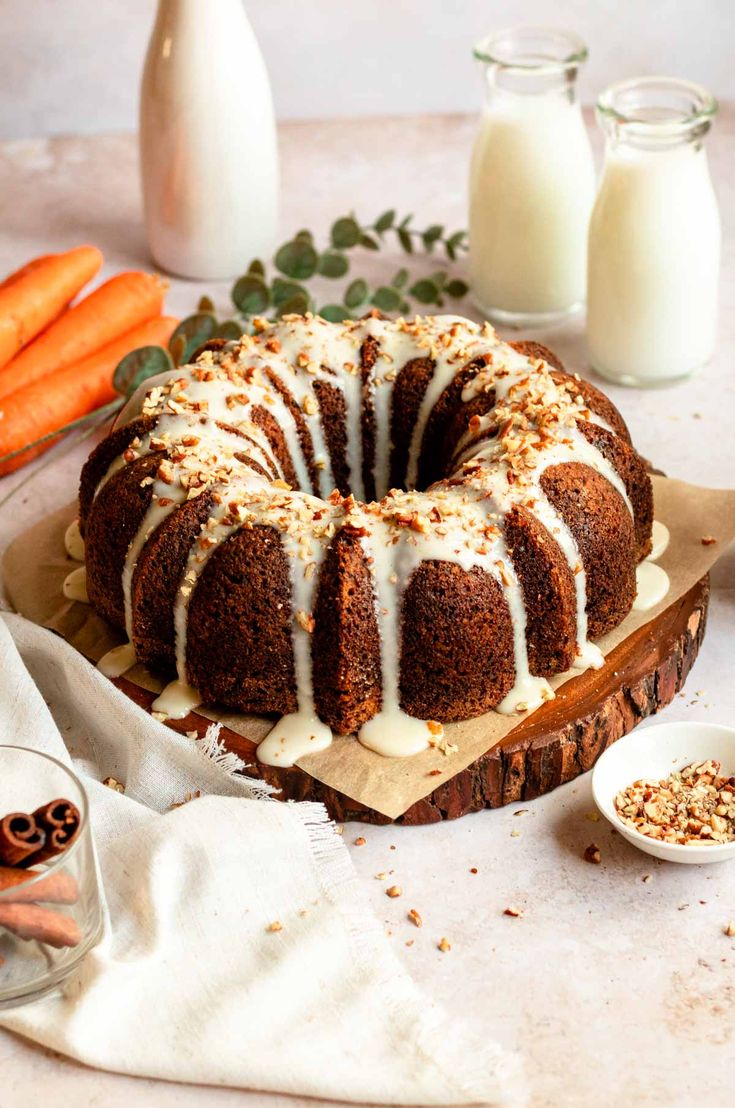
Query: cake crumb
column 410, row 942
column 393, row 891
column 111, row 783
column 730, row 929
column 646, row 877
column 275, row 926
column 516, row 913
column 474, row 869
column 592, row 854
column 360, row 841
column 444, row 945
column 380, row 876
column 415, row 918
column 593, row 817
column 515, row 834
column 708, row 540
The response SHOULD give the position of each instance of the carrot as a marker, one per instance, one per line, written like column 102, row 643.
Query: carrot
column 29, row 267
column 33, row 296
column 123, row 302
column 46, row 405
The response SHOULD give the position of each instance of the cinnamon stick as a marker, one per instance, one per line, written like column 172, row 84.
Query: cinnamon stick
column 56, row 888
column 29, row 922
column 60, row 821
column 20, row 837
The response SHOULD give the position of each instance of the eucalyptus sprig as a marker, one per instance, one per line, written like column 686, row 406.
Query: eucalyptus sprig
column 299, row 260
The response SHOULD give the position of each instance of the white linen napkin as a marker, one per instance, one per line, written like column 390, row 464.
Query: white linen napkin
column 188, row 983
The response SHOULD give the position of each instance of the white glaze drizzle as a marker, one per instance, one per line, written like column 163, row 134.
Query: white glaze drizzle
column 176, row 700
column 299, row 352
column 651, row 581
column 117, row 661
column 660, row 537
column 73, row 541
column 652, row 585
column 75, row 585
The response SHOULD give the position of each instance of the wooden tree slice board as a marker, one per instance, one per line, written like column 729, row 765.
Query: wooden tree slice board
column 562, row 739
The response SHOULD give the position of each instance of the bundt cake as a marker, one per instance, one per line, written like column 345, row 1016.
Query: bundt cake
column 373, row 527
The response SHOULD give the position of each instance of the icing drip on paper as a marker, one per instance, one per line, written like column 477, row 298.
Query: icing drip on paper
column 73, row 541
column 75, row 585
column 652, row 584
column 651, row 581
column 117, row 661
column 659, row 540
column 176, row 700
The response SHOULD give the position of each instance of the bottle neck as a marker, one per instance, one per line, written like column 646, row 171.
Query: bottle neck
column 502, row 81
column 654, row 115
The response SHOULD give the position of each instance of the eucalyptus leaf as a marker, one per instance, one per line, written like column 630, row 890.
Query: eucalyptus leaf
column 406, row 220
column 385, row 221
column 405, row 240
column 430, row 236
column 304, row 236
column 195, row 330
column 345, row 233
column 285, row 290
column 297, row 305
column 457, row 288
column 400, row 279
column 335, row 313
column 333, row 263
column 425, row 291
column 206, row 304
column 230, row 330
column 439, row 278
column 369, row 243
column 450, row 251
column 257, row 267
column 138, row 366
column 404, row 307
column 457, row 239
column 177, row 349
column 357, row 293
column 297, row 259
column 386, row 298
column 251, row 294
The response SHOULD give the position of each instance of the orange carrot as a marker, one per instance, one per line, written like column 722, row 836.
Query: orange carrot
column 123, row 302
column 32, row 297
column 29, row 267
column 46, row 405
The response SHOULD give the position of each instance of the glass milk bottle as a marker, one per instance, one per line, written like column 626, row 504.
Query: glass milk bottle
column 654, row 244
column 207, row 141
column 531, row 179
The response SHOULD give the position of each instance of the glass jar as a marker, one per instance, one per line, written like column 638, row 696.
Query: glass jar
column 654, row 243
column 50, row 912
column 531, row 179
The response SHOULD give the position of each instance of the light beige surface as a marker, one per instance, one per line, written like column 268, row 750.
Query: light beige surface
column 610, row 985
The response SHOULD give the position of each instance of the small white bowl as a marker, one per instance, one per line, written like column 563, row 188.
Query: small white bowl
column 656, row 752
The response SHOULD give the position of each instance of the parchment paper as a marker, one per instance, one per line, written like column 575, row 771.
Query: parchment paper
column 36, row 564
